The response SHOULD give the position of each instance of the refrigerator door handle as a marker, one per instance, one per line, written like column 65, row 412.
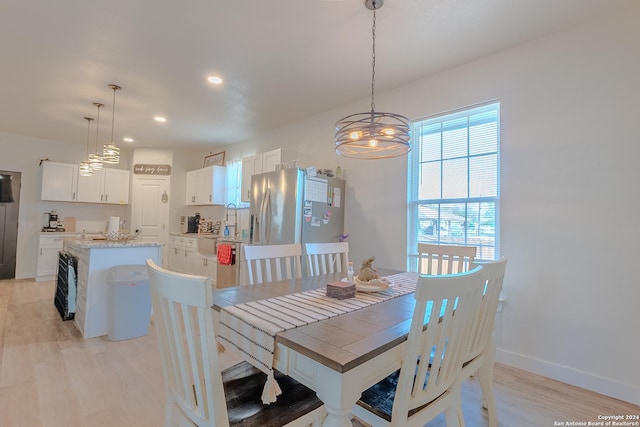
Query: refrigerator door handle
column 267, row 216
column 262, row 218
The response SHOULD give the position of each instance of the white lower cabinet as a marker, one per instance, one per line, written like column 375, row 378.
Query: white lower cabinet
column 48, row 248
column 184, row 258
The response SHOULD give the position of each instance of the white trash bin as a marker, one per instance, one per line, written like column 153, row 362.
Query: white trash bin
column 129, row 308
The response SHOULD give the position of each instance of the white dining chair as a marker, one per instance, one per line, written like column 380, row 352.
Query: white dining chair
column 197, row 392
column 444, row 259
column 480, row 351
column 428, row 382
column 268, row 263
column 326, row 258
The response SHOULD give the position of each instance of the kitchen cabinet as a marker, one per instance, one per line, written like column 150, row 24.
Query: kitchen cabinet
column 252, row 165
column 206, row 266
column 59, row 181
column 104, row 186
column 47, row 263
column 182, row 254
column 184, row 258
column 206, row 186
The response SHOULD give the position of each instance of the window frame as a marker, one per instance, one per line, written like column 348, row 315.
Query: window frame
column 414, row 176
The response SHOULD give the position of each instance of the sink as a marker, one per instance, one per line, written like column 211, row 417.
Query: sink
column 206, row 245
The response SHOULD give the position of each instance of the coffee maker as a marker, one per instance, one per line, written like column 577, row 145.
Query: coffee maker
column 52, row 221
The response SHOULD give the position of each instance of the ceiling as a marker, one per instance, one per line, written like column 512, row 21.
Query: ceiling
column 281, row 61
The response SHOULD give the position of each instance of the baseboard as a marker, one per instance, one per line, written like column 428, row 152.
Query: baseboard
column 607, row 386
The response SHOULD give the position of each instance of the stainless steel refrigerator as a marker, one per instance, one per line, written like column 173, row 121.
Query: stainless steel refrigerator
column 289, row 207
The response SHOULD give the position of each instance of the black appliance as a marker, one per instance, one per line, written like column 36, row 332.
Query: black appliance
column 192, row 223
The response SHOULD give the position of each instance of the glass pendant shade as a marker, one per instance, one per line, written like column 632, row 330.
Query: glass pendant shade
column 95, row 159
column 96, row 162
column 110, row 152
column 373, row 135
column 85, row 169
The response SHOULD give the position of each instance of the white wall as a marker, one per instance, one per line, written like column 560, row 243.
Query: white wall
column 23, row 154
column 569, row 145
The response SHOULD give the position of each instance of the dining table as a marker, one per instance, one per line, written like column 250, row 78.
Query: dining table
column 341, row 356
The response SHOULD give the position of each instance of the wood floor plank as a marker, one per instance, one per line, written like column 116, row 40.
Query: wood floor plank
column 51, row 377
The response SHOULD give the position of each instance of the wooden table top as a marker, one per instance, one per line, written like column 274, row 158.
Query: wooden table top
column 342, row 342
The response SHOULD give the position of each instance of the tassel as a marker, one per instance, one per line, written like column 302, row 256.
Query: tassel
column 271, row 389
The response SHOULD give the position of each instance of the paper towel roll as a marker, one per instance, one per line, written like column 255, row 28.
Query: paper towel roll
column 114, row 225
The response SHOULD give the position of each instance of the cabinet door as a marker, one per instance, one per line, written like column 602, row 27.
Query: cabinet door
column 190, row 193
column 204, row 189
column 271, row 159
column 175, row 256
column 47, row 263
column 116, row 186
column 59, row 181
column 247, row 171
column 90, row 187
column 207, row 267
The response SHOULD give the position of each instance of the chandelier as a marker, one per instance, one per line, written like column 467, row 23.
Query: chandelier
column 375, row 134
column 110, row 152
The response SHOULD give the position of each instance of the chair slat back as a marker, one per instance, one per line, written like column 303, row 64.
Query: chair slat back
column 485, row 317
column 268, row 263
column 433, row 360
column 444, row 259
column 184, row 321
column 327, row 258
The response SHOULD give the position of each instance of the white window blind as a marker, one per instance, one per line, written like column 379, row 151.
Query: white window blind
column 454, row 185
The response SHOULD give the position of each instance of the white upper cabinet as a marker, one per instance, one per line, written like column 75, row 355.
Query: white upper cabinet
column 252, row 165
column 116, row 186
column 206, row 186
column 105, row 186
column 59, row 181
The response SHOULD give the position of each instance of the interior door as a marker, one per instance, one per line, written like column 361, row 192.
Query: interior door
column 150, row 210
column 9, row 210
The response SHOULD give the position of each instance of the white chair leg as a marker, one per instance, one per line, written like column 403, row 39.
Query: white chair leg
column 485, row 376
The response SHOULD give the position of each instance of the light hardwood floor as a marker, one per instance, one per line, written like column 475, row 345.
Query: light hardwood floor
column 50, row 376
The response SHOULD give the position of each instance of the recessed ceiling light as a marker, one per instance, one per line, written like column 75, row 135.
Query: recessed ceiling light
column 127, row 139
column 160, row 119
column 215, row 80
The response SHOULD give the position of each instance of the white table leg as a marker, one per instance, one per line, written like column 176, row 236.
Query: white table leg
column 339, row 393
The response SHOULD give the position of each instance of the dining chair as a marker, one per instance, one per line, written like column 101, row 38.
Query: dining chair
column 479, row 355
column 428, row 382
column 444, row 259
column 197, row 392
column 268, row 263
column 326, row 258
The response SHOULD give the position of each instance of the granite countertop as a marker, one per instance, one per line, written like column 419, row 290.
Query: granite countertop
column 87, row 243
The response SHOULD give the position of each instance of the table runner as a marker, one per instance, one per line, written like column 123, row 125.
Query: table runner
column 251, row 327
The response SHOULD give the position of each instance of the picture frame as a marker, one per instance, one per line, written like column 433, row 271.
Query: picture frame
column 216, row 159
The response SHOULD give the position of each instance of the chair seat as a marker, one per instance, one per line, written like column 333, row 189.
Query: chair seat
column 378, row 398
column 243, row 385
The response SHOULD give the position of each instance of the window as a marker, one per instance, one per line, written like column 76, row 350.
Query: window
column 454, row 185
column 234, row 183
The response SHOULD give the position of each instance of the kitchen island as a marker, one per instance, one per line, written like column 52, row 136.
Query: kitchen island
column 95, row 259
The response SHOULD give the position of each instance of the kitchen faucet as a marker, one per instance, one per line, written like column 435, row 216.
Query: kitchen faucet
column 235, row 218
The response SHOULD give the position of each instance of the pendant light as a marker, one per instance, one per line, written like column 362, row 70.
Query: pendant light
column 85, row 166
column 110, row 152
column 95, row 159
column 373, row 135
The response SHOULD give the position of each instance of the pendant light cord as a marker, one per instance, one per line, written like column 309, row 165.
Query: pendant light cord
column 373, row 62
column 113, row 113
